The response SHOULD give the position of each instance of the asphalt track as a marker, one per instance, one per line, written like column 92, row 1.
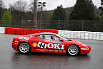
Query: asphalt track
column 10, row 59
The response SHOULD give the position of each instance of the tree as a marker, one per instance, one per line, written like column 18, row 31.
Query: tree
column 83, row 10
column 31, row 6
column 18, row 10
column 6, row 18
column 20, row 6
column 101, row 17
column 1, row 8
column 59, row 17
column 101, row 7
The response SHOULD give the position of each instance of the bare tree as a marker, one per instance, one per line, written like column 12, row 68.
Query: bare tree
column 1, row 8
column 18, row 10
column 19, row 5
column 1, row 4
column 31, row 7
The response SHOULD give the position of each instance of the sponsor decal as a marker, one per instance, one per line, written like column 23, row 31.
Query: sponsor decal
column 51, row 50
column 48, row 41
column 15, row 43
column 51, row 41
column 60, row 51
column 56, row 42
column 41, row 45
column 50, row 45
column 55, row 50
column 34, row 44
column 38, row 49
column 24, row 38
column 64, row 51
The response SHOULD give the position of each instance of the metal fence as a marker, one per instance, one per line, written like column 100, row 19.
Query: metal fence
column 74, row 25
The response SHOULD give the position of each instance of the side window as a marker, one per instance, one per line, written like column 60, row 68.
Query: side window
column 56, row 38
column 51, row 37
column 40, row 36
column 48, row 37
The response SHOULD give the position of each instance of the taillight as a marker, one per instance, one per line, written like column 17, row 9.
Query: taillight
column 14, row 40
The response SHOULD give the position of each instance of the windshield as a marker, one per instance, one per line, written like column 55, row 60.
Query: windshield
column 63, row 38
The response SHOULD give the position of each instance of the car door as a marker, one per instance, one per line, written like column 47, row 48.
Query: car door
column 44, row 41
column 49, row 41
column 53, row 43
column 40, row 42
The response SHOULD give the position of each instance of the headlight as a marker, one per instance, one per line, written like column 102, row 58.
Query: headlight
column 84, row 48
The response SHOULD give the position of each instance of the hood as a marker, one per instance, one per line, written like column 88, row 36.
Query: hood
column 76, row 42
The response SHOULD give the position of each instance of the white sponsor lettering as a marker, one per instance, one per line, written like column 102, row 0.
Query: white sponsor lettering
column 48, row 40
column 24, row 38
column 62, row 47
column 50, row 45
column 56, row 46
column 51, row 50
column 41, row 45
column 60, row 50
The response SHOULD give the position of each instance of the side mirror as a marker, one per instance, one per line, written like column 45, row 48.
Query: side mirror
column 61, row 39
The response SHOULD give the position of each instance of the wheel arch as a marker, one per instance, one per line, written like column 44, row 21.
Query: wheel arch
column 70, row 45
column 23, row 42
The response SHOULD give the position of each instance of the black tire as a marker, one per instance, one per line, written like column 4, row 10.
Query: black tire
column 73, row 50
column 24, row 48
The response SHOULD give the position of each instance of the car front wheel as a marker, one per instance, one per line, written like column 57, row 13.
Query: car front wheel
column 73, row 50
column 24, row 48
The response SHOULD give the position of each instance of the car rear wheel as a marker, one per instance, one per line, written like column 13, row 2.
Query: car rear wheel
column 24, row 48
column 73, row 50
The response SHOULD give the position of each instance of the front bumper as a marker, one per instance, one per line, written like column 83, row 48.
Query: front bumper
column 85, row 51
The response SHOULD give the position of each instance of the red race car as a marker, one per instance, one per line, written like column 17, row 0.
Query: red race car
column 49, row 43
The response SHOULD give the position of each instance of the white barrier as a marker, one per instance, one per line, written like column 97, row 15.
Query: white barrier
column 81, row 34
column 2, row 30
